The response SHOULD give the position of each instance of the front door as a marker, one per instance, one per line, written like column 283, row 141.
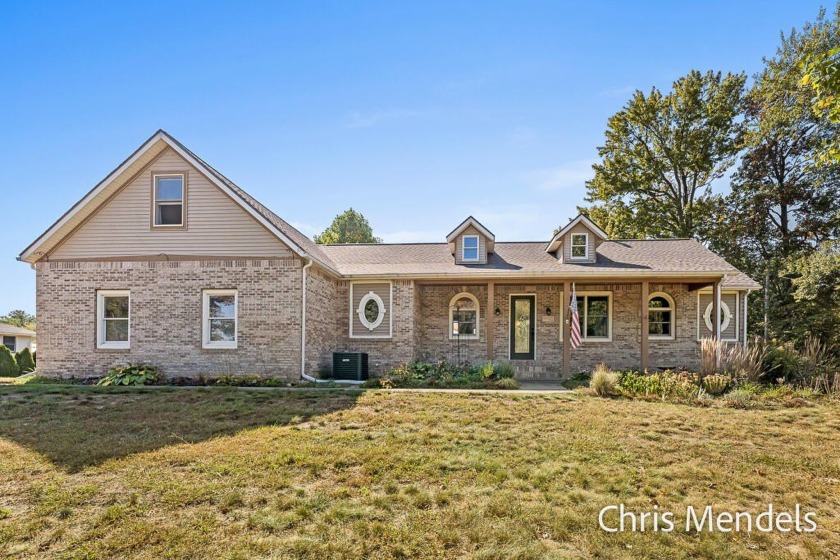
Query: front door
column 522, row 327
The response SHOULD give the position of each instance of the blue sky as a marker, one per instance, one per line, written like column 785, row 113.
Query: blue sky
column 415, row 114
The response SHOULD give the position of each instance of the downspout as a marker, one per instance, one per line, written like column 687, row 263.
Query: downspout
column 303, row 324
column 746, row 315
column 303, row 374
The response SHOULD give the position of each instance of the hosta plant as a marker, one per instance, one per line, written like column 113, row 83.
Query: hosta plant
column 131, row 374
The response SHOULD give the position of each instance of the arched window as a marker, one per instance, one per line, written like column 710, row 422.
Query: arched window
column 463, row 317
column 661, row 313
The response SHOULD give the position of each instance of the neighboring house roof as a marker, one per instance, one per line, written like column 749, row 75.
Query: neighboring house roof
column 470, row 221
column 159, row 141
column 11, row 330
column 641, row 258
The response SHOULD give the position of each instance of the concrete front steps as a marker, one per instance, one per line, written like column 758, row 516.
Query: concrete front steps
column 526, row 370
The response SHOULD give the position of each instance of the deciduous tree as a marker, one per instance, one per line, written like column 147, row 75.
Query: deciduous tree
column 348, row 227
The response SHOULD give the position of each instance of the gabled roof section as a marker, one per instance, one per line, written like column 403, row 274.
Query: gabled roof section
column 470, row 221
column 11, row 330
column 159, row 141
column 580, row 219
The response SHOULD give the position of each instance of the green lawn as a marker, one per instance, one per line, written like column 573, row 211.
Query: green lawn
column 88, row 472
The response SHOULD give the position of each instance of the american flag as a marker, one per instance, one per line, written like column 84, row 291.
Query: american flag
column 574, row 335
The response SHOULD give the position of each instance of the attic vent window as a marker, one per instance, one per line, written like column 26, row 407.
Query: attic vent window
column 470, row 248
column 169, row 200
column 580, row 246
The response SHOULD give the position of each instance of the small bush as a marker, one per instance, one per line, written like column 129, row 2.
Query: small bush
column 504, row 370
column 716, row 384
column 745, row 363
column 248, row 380
column 25, row 361
column 783, row 361
column 507, row 383
column 131, row 374
column 604, row 381
column 8, row 365
column 738, row 398
column 709, row 352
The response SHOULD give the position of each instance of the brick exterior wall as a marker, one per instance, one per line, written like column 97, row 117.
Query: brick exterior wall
column 166, row 321
column 166, row 310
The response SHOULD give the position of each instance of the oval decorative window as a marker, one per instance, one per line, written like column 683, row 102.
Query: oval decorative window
column 725, row 316
column 371, row 310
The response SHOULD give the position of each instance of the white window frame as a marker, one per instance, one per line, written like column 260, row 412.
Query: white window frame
column 360, row 311
column 464, row 248
column 471, row 297
column 572, row 246
column 671, row 308
column 3, row 338
column 583, row 337
column 724, row 324
column 206, row 343
column 183, row 177
column 100, row 320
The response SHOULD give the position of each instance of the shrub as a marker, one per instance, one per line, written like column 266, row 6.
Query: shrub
column 131, row 374
column 8, row 365
column 745, row 363
column 738, row 398
column 710, row 350
column 668, row 384
column 507, row 383
column 487, row 370
column 716, row 384
column 504, row 370
column 604, row 381
column 248, row 380
column 783, row 361
column 25, row 361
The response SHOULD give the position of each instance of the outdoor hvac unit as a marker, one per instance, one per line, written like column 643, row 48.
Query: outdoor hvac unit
column 350, row 365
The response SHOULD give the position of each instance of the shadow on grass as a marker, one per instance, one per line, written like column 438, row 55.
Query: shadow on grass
column 79, row 426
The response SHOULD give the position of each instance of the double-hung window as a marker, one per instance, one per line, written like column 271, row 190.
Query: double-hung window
column 9, row 342
column 595, row 312
column 463, row 317
column 113, row 325
column 168, row 200
column 219, row 319
column 469, row 248
column 580, row 245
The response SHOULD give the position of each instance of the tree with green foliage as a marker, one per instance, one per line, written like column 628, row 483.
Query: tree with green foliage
column 25, row 361
column 816, row 291
column 8, row 365
column 348, row 227
column 661, row 155
column 821, row 72
column 19, row 318
column 781, row 206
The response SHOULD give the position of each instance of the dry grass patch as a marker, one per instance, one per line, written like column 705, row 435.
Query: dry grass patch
column 198, row 473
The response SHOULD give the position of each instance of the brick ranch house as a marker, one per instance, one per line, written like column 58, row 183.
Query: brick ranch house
column 168, row 262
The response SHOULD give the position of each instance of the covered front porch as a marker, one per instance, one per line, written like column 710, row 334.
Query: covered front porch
column 648, row 324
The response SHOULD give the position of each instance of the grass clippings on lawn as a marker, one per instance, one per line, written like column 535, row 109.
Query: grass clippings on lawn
column 87, row 472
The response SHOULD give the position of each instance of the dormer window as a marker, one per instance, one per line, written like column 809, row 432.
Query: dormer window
column 168, row 200
column 580, row 245
column 469, row 248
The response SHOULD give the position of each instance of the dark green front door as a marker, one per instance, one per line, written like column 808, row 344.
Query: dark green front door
column 522, row 327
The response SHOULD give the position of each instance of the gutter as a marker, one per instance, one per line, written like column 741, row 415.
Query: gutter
column 303, row 374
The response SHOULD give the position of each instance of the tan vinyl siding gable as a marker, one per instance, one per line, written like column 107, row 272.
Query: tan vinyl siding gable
column 592, row 243
column 215, row 224
column 482, row 247
column 733, row 329
column 357, row 291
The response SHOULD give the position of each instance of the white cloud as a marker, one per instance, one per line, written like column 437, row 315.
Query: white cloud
column 367, row 119
column 572, row 174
